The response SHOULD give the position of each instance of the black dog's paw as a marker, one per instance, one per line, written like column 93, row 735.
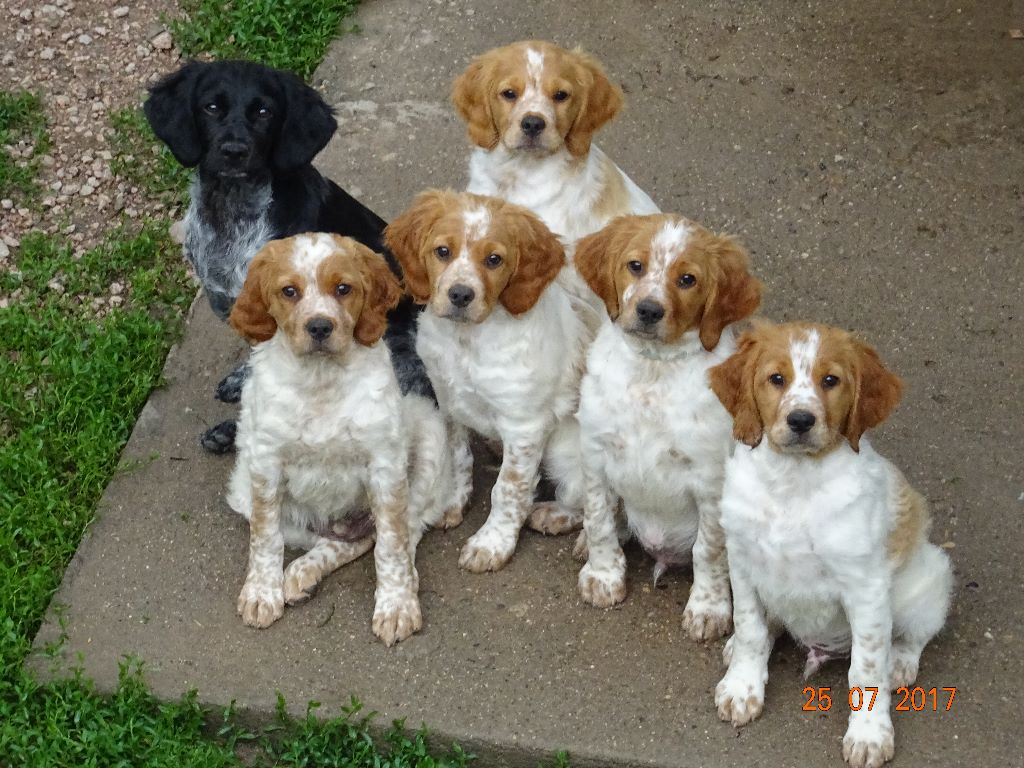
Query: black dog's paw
column 230, row 388
column 220, row 438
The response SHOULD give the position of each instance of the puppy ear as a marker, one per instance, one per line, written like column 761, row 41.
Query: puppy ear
column 306, row 125
column 472, row 99
column 735, row 293
column 602, row 100
column 382, row 294
column 169, row 110
column 877, row 392
column 541, row 257
column 594, row 263
column 405, row 235
column 733, row 384
column 250, row 316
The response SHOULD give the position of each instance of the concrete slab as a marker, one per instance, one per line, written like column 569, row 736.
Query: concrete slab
column 871, row 157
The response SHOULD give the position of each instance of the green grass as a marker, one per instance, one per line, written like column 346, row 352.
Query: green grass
column 21, row 120
column 142, row 160
column 290, row 34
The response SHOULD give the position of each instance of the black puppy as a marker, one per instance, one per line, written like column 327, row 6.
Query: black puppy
column 253, row 132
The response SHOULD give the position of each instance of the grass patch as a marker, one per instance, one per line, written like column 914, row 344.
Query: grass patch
column 22, row 126
column 141, row 159
column 289, row 34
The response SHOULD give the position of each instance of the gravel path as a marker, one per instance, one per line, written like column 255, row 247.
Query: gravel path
column 85, row 60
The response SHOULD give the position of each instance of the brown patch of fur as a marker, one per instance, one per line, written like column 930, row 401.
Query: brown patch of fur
column 877, row 393
column 539, row 257
column 602, row 101
column 734, row 294
column 250, row 315
column 405, row 237
column 472, row 99
column 600, row 257
column 911, row 525
column 733, row 384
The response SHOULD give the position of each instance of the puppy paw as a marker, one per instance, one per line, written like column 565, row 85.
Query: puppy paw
column 229, row 390
column 397, row 617
column 451, row 518
column 601, row 588
column 300, row 582
column 707, row 619
column 869, row 742
column 580, row 550
column 552, row 519
column 220, row 438
column 738, row 700
column 487, row 550
column 902, row 668
column 260, row 604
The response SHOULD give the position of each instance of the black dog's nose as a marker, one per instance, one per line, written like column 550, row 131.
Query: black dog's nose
column 460, row 295
column 649, row 311
column 234, row 150
column 319, row 328
column 532, row 125
column 800, row 421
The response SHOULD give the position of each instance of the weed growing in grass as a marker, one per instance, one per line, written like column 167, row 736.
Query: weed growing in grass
column 21, row 123
column 141, row 159
column 290, row 34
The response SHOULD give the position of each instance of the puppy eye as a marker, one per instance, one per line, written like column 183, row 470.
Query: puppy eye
column 830, row 381
column 560, row 96
column 263, row 112
column 777, row 380
column 343, row 289
column 686, row 281
column 211, row 108
column 635, row 267
column 442, row 252
column 289, row 291
column 508, row 94
column 493, row 260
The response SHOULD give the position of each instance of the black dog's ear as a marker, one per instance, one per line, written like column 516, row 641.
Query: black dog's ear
column 307, row 127
column 169, row 112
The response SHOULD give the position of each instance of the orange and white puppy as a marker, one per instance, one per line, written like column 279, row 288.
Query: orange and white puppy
column 504, row 346
column 826, row 538
column 330, row 454
column 531, row 110
column 652, row 432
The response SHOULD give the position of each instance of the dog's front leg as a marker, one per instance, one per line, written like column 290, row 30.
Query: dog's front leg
column 869, row 741
column 511, row 501
column 739, row 696
column 261, row 601
column 708, row 612
column 396, row 613
column 602, row 580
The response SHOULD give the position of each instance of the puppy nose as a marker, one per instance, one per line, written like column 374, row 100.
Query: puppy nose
column 234, row 150
column 800, row 421
column 532, row 125
column 460, row 295
column 319, row 328
column 649, row 311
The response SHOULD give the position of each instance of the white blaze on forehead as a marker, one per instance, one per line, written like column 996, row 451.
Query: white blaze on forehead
column 477, row 220
column 667, row 244
column 533, row 98
column 534, row 66
column 803, row 351
column 309, row 253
